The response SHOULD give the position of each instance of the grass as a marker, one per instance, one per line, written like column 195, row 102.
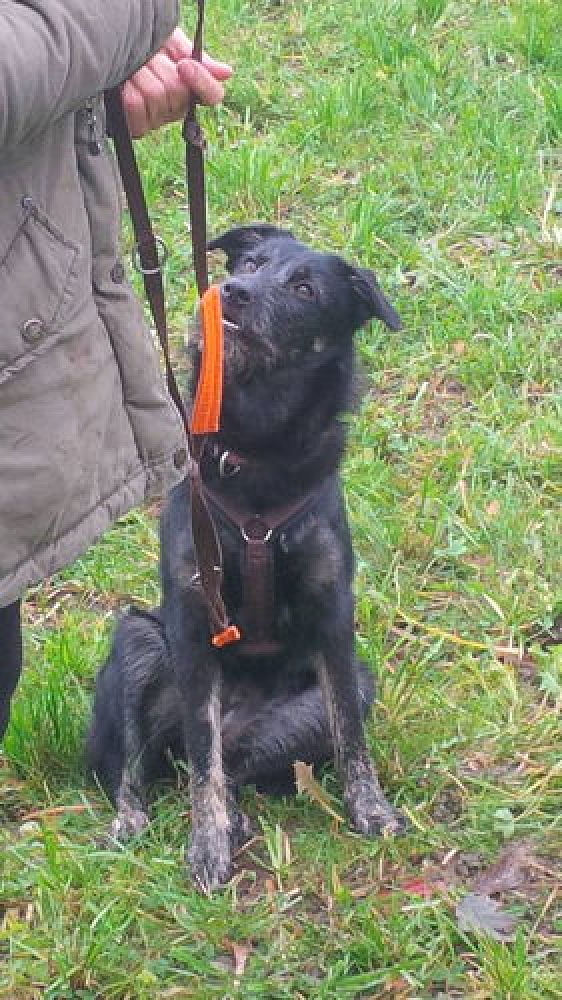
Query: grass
column 422, row 137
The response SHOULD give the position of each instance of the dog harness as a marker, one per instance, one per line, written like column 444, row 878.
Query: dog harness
column 259, row 534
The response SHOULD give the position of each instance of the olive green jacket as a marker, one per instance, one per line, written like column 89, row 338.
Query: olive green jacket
column 87, row 429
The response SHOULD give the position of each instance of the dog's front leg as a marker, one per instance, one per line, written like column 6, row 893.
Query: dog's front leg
column 367, row 806
column 198, row 677
column 209, row 851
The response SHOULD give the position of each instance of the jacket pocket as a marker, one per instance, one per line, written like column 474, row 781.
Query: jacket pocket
column 36, row 281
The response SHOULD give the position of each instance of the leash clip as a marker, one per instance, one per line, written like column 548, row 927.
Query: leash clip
column 227, row 467
column 162, row 251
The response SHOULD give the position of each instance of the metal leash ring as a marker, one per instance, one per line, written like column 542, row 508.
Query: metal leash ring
column 162, row 253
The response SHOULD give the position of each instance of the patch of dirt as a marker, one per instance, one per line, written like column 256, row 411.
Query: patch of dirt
column 437, row 399
column 13, row 805
column 546, row 637
column 448, row 805
column 442, row 400
column 521, row 874
column 483, row 763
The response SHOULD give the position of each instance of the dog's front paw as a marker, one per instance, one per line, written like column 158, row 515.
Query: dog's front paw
column 373, row 816
column 129, row 822
column 369, row 811
column 208, row 858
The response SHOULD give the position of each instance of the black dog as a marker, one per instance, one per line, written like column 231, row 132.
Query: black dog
column 292, row 689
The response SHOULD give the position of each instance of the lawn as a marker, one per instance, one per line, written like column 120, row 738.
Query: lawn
column 422, row 138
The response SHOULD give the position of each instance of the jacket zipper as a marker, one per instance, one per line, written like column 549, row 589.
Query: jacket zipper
column 94, row 145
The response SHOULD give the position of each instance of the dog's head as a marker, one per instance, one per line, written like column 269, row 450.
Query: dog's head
column 286, row 304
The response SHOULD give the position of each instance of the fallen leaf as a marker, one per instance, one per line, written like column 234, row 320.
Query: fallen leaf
column 480, row 914
column 55, row 811
column 459, row 347
column 524, row 662
column 399, row 989
column 14, row 913
column 240, row 953
column 510, row 870
column 307, row 785
column 418, row 887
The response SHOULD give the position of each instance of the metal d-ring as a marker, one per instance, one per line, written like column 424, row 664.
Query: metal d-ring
column 225, row 469
column 162, row 250
column 252, row 531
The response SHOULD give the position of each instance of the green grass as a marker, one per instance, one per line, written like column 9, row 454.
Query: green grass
column 422, row 137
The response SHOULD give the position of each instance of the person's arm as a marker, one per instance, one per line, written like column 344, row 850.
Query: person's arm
column 56, row 54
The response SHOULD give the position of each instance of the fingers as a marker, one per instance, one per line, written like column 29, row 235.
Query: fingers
column 197, row 79
column 135, row 110
column 150, row 96
column 159, row 92
column 179, row 47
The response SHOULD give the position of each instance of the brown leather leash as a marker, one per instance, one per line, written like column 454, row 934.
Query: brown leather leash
column 195, row 169
column 149, row 257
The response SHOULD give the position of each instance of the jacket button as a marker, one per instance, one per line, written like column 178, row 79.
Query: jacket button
column 118, row 272
column 33, row 330
column 180, row 458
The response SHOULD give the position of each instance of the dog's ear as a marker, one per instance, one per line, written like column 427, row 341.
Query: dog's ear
column 373, row 301
column 243, row 239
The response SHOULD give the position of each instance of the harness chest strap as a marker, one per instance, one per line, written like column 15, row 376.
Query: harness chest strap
column 258, row 533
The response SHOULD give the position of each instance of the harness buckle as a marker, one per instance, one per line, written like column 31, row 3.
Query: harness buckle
column 256, row 530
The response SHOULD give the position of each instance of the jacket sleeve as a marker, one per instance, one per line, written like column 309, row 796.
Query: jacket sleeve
column 57, row 54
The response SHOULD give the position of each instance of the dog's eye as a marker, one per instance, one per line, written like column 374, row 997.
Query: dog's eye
column 304, row 289
column 250, row 264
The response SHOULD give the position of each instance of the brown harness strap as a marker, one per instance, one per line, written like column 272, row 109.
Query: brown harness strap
column 259, row 587
column 259, row 532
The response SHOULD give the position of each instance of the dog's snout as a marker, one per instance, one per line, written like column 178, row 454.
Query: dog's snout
column 235, row 293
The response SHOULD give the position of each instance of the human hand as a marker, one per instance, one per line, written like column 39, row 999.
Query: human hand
column 159, row 92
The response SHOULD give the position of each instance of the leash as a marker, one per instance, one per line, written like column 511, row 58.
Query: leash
column 195, row 170
column 149, row 257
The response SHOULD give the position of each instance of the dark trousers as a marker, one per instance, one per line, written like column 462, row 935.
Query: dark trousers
column 10, row 658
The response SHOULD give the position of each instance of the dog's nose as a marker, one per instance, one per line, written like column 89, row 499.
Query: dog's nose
column 235, row 293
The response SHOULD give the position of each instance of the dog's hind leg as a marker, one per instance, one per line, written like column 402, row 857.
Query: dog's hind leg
column 280, row 731
column 144, row 656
